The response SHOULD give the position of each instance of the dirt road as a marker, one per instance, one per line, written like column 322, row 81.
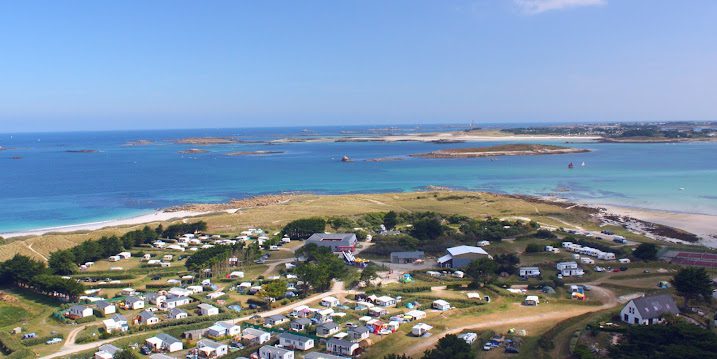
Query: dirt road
column 610, row 300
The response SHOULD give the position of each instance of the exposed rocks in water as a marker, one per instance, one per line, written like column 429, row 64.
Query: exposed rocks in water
column 192, row 151
column 385, row 159
column 253, row 153
column 446, row 141
column 139, row 143
column 206, row 141
column 345, row 159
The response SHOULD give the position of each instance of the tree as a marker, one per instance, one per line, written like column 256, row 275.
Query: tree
column 545, row 234
column 274, row 289
column 126, row 353
column 427, row 229
column 452, row 347
column 20, row 269
column 369, row 273
column 676, row 340
column 320, row 268
column 304, row 228
column 507, row 263
column 646, row 251
column 533, row 248
column 692, row 283
column 482, row 271
column 390, row 220
column 62, row 262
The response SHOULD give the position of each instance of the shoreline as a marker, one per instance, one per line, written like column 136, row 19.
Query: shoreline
column 442, row 137
column 642, row 220
column 156, row 216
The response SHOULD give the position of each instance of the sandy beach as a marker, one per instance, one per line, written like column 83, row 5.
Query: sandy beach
column 157, row 216
column 702, row 225
column 459, row 136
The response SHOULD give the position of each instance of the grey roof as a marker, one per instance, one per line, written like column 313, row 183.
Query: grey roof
column 160, row 356
column 317, row 355
column 413, row 254
column 274, row 350
column 77, row 307
column 206, row 306
column 146, row 315
column 303, row 321
column 333, row 239
column 225, row 325
column 109, row 348
column 103, row 304
column 328, row 325
column 131, row 299
column 175, row 311
column 340, row 342
column 655, row 306
column 177, row 299
column 290, row 336
column 529, row 268
column 119, row 318
column 362, row 329
column 277, row 317
column 210, row 343
column 167, row 338
column 153, row 295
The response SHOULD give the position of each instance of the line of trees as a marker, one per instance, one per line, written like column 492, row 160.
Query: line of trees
column 25, row 272
column 66, row 262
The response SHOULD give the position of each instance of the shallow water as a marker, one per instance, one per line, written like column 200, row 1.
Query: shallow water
column 50, row 187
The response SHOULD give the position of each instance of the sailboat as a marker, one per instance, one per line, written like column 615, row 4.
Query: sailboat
column 570, row 165
column 583, row 164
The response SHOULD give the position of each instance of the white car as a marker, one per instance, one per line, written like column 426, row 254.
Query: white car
column 54, row 341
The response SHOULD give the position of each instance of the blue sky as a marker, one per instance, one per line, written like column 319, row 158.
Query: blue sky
column 74, row 65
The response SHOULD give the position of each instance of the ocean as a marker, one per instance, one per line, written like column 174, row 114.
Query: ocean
column 47, row 181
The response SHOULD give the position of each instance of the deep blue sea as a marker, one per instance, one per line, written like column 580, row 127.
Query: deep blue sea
column 42, row 185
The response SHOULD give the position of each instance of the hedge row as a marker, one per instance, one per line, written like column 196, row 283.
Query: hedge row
column 39, row 340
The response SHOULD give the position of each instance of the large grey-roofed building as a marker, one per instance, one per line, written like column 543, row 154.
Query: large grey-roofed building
column 406, row 257
column 338, row 242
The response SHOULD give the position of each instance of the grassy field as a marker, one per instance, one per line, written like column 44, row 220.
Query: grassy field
column 273, row 217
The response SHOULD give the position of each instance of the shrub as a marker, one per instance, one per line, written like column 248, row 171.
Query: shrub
column 533, row 248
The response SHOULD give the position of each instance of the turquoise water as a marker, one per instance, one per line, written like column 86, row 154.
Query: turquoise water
column 50, row 187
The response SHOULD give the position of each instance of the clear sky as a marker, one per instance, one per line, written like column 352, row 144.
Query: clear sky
column 69, row 65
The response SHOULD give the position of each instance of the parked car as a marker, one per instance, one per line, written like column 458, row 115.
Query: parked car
column 53, row 341
column 29, row 335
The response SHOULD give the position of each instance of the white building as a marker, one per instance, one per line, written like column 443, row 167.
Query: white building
column 529, row 272
column 568, row 269
column 420, row 329
column 329, row 302
column 270, row 352
column 211, row 349
column 648, row 310
column 441, row 304
column 207, row 309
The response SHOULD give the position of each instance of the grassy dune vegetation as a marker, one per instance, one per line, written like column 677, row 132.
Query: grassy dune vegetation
column 472, row 204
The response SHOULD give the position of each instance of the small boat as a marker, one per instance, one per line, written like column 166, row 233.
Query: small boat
column 570, row 165
column 583, row 164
